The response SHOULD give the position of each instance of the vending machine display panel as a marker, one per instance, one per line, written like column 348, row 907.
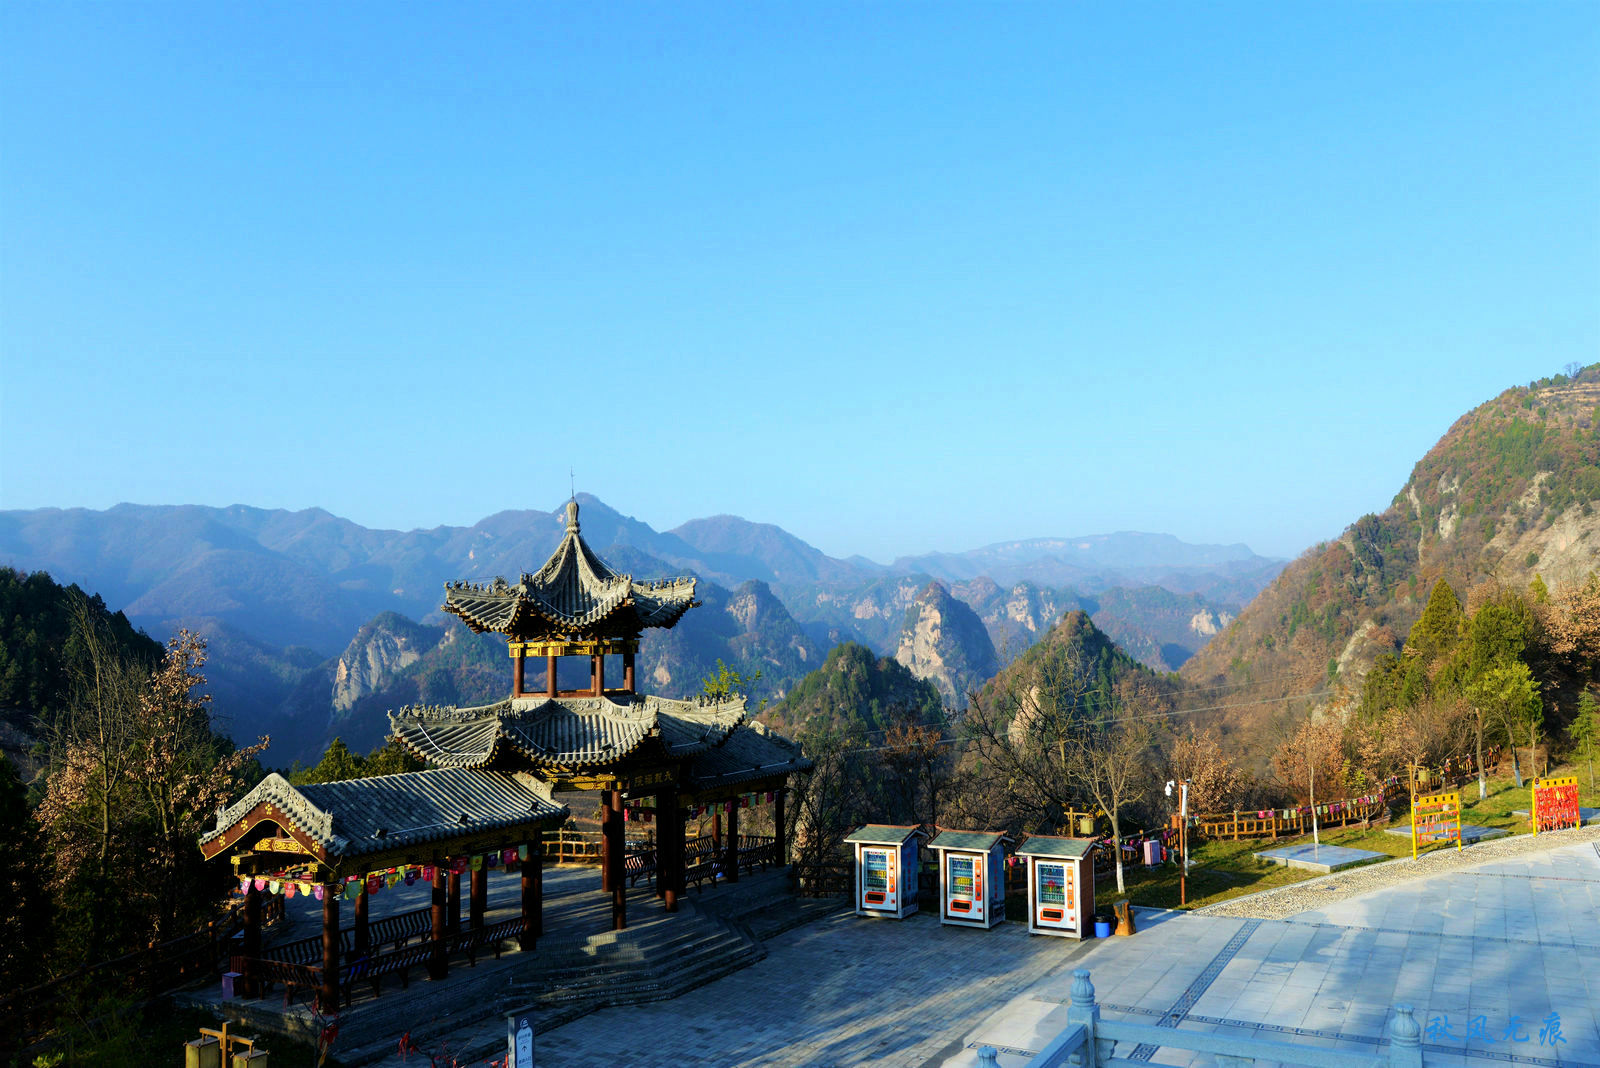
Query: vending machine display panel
column 877, row 878
column 1053, row 894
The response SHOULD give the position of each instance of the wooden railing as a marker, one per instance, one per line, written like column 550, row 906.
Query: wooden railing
column 27, row 1015
column 821, row 878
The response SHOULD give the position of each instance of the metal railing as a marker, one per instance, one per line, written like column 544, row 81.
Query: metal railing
column 1090, row 1042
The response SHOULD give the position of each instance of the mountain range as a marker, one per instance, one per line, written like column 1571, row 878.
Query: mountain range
column 1511, row 492
column 316, row 624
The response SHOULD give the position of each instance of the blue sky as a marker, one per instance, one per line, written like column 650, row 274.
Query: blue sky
column 896, row 277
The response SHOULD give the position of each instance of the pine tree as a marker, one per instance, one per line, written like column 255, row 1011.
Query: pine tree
column 1584, row 731
column 1440, row 627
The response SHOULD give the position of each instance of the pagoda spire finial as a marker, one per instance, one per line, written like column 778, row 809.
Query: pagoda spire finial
column 572, row 517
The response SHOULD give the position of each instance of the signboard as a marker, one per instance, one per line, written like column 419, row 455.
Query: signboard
column 289, row 845
column 1435, row 818
column 1555, row 804
column 519, row 1040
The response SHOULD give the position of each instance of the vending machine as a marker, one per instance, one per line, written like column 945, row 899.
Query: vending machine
column 972, row 877
column 886, row 870
column 1060, row 885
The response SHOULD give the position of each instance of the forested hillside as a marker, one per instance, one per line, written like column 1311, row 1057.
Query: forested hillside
column 855, row 689
column 1506, row 497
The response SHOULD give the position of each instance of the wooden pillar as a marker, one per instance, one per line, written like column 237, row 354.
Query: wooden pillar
column 779, row 839
column 606, row 831
column 599, row 671
column 669, row 848
column 730, row 862
column 532, row 898
column 480, row 896
column 627, row 671
column 518, row 675
column 550, row 675
column 453, row 914
column 716, row 831
column 328, row 995
column 363, row 941
column 615, row 860
column 252, row 936
column 439, row 964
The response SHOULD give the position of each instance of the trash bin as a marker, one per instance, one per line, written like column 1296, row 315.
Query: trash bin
column 1102, row 927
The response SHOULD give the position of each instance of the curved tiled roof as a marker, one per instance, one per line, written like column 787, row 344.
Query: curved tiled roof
column 362, row 816
column 566, row 732
column 752, row 752
column 574, row 593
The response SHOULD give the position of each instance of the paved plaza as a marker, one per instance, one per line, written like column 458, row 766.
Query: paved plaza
column 1487, row 954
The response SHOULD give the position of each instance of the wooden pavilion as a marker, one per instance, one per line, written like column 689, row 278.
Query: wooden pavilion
column 493, row 769
column 327, row 836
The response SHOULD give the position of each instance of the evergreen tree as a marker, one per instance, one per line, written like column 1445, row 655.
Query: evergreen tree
column 1439, row 628
column 1584, row 731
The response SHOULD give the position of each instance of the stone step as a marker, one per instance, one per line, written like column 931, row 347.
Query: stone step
column 596, row 974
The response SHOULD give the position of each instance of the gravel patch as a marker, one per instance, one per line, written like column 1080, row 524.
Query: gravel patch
column 1285, row 901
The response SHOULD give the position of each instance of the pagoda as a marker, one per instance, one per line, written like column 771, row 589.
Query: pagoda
column 572, row 606
column 697, row 753
column 487, row 796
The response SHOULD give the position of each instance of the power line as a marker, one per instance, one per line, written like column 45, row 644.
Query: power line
column 1125, row 719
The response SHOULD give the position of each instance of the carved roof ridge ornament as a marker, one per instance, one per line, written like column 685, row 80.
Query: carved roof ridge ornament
column 294, row 805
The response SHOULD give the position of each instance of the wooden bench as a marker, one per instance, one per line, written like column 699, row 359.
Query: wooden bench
column 396, row 931
column 640, row 865
column 295, row 978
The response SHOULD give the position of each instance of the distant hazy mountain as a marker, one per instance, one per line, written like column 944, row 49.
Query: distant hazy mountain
column 1091, row 562
column 294, row 603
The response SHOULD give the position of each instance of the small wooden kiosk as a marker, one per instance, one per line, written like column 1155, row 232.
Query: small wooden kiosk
column 972, row 877
column 1060, row 885
column 886, row 870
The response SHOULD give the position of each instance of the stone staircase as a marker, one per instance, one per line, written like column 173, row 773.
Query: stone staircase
column 658, row 957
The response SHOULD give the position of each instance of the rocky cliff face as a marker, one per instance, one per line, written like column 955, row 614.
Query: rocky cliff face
column 1015, row 616
column 376, row 656
column 943, row 640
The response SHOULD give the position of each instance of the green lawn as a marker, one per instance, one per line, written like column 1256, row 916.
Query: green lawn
column 1220, row 870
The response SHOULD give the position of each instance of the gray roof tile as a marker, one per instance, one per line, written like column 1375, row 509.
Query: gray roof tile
column 574, row 593
column 362, row 816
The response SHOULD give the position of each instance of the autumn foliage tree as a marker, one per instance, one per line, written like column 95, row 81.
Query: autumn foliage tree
column 137, row 771
column 1215, row 783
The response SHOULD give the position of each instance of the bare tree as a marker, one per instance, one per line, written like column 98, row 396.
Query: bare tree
column 1110, row 756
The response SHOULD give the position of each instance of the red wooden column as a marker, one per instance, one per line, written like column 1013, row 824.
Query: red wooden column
column 606, row 831
column 439, row 963
column 453, row 915
column 363, row 932
column 627, row 671
column 599, row 672
column 669, row 848
column 716, row 831
column 730, row 859
column 550, row 676
column 615, row 859
column 252, row 937
column 328, row 995
column 779, row 839
column 518, row 675
column 480, row 896
column 532, row 897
